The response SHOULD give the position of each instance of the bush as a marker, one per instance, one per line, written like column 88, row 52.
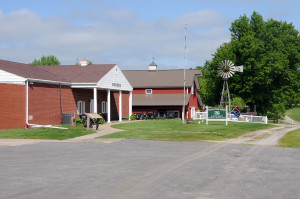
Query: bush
column 132, row 117
column 278, row 111
column 237, row 101
column 79, row 120
column 101, row 121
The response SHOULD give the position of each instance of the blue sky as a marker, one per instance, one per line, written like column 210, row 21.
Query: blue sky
column 128, row 33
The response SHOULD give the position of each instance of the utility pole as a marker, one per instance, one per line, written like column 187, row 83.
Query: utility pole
column 183, row 107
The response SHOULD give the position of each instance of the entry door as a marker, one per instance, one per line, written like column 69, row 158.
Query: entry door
column 193, row 113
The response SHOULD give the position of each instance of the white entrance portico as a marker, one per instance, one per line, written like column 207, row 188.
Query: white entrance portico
column 112, row 81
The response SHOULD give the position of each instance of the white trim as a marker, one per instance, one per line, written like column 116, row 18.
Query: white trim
column 193, row 112
column 114, row 80
column 95, row 100
column 120, row 106
column 10, row 78
column 108, row 106
column 130, row 104
column 91, row 105
column 26, row 108
column 48, row 81
column 84, row 85
column 192, row 89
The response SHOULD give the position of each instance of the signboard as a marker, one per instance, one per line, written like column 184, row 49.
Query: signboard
column 217, row 113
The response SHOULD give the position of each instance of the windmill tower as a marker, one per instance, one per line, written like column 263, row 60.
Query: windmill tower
column 226, row 70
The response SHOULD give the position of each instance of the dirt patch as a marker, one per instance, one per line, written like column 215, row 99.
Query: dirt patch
column 268, row 137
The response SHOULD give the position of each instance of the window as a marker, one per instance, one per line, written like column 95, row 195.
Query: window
column 80, row 107
column 148, row 91
column 91, row 106
column 104, row 107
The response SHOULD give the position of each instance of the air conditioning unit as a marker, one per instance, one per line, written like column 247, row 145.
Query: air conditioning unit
column 68, row 118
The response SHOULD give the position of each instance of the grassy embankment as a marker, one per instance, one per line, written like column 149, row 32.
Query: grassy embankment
column 174, row 130
column 45, row 133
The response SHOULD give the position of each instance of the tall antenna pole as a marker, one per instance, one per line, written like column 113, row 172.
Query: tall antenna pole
column 183, row 107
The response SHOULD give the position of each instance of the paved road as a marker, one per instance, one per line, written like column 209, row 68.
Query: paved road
column 148, row 169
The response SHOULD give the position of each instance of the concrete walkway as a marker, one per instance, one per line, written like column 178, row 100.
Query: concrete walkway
column 102, row 130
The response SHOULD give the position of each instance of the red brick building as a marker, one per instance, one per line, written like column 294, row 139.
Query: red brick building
column 162, row 91
column 39, row 95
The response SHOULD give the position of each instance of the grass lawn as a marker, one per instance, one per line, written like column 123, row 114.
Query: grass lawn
column 291, row 139
column 45, row 133
column 174, row 130
column 294, row 113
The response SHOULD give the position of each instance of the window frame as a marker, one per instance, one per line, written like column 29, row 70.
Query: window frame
column 104, row 107
column 80, row 107
column 148, row 89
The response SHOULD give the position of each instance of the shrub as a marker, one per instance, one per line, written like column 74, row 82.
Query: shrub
column 101, row 121
column 79, row 120
column 132, row 117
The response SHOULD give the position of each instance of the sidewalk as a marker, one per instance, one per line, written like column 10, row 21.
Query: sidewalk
column 102, row 130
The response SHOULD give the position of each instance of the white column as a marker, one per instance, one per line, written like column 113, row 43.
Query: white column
column 95, row 101
column 26, row 108
column 120, row 106
column 108, row 106
column 130, row 103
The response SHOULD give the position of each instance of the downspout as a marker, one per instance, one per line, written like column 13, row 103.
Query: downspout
column 61, row 107
column 26, row 104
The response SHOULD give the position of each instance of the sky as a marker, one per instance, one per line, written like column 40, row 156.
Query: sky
column 129, row 33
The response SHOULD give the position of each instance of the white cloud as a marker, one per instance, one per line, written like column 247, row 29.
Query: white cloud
column 113, row 36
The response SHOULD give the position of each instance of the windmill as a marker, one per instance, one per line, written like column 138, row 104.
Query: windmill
column 226, row 70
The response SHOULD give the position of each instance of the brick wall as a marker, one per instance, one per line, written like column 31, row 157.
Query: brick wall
column 44, row 103
column 12, row 106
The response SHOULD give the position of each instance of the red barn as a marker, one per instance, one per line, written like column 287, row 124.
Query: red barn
column 162, row 91
column 40, row 95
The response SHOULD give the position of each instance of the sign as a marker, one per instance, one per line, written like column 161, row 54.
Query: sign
column 116, row 85
column 217, row 113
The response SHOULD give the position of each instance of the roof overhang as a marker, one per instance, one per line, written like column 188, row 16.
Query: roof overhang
column 47, row 81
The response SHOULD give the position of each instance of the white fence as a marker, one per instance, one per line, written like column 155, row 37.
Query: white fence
column 233, row 118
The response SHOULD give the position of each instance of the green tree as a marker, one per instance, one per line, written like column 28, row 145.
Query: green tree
column 270, row 53
column 45, row 60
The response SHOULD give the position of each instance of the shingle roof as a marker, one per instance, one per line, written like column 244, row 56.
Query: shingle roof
column 28, row 71
column 159, row 99
column 62, row 73
column 160, row 78
column 80, row 74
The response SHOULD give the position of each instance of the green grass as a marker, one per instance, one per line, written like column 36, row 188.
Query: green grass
column 291, row 139
column 294, row 113
column 174, row 130
column 45, row 133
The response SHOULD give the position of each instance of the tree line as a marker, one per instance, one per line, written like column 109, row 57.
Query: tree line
column 270, row 53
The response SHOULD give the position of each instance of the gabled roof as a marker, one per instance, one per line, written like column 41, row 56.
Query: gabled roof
column 161, row 78
column 62, row 73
